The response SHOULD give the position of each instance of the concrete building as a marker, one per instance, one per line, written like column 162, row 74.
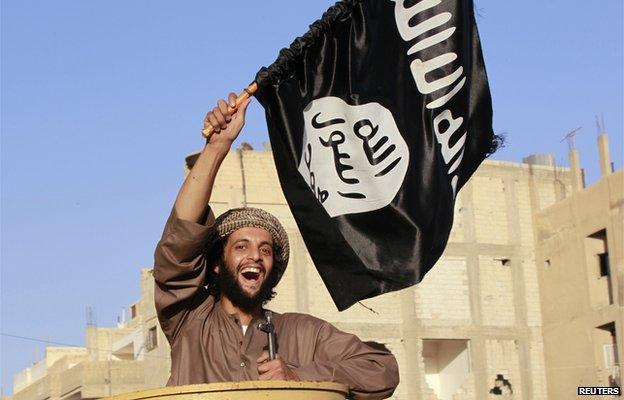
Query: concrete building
column 473, row 329
column 580, row 253
column 129, row 357
column 475, row 321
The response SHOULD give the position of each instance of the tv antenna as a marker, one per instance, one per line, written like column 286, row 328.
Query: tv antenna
column 600, row 125
column 91, row 321
column 570, row 136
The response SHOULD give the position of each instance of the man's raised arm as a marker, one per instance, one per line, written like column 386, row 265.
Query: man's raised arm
column 179, row 269
column 196, row 190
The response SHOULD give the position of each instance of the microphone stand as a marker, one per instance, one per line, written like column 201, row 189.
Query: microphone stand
column 269, row 329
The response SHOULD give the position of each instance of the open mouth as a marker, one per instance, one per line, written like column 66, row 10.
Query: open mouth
column 251, row 273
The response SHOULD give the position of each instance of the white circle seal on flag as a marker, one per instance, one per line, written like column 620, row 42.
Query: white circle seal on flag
column 353, row 158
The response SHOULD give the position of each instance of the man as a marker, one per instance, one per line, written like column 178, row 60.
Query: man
column 213, row 277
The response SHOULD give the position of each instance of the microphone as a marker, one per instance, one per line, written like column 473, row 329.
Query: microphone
column 269, row 329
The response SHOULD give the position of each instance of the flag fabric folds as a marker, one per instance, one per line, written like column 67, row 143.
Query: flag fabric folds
column 377, row 116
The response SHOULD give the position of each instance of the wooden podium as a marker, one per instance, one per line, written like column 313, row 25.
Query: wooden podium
column 247, row 390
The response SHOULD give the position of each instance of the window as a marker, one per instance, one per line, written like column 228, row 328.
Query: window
column 603, row 260
column 610, row 355
column 607, row 357
column 598, row 269
column 152, row 339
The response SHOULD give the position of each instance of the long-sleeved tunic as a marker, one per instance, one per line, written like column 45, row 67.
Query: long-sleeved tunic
column 208, row 344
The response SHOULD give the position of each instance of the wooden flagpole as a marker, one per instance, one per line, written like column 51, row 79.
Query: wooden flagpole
column 244, row 95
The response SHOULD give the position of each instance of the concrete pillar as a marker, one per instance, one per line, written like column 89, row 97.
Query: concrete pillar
column 477, row 342
column 575, row 167
column 298, row 257
column 519, row 287
column 411, row 332
column 603, row 150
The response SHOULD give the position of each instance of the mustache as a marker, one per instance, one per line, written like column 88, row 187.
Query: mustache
column 230, row 287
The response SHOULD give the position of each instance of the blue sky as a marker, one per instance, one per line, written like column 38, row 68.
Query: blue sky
column 102, row 100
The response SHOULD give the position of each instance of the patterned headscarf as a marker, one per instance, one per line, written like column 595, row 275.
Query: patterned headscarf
column 245, row 217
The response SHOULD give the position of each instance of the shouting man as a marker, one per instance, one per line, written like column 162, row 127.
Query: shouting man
column 213, row 277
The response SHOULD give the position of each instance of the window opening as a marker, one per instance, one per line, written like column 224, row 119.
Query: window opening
column 447, row 365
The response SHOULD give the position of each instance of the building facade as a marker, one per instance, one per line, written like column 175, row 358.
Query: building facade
column 129, row 357
column 580, row 248
column 472, row 329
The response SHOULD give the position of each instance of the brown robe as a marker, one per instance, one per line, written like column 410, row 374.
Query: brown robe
column 208, row 345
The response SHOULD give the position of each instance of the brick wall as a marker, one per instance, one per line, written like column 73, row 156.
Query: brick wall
column 502, row 358
column 497, row 297
column 442, row 298
column 490, row 210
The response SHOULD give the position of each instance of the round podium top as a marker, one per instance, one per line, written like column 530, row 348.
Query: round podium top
column 246, row 390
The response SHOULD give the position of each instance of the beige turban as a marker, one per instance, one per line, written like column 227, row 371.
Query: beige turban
column 245, row 217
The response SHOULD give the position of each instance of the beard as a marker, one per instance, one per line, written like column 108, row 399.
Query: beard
column 230, row 288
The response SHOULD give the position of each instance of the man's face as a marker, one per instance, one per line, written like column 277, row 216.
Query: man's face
column 248, row 260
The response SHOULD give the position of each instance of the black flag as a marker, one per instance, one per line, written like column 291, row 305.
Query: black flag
column 377, row 117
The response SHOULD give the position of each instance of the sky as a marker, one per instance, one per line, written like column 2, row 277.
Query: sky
column 102, row 100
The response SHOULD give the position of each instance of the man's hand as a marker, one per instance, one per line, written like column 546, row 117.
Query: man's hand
column 195, row 193
column 226, row 126
column 275, row 369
